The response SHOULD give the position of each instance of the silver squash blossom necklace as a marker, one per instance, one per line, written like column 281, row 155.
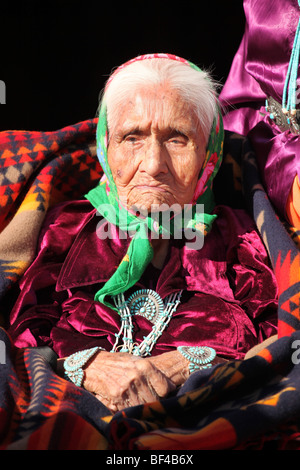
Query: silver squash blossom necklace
column 147, row 303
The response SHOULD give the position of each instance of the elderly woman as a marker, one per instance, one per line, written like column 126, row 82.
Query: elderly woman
column 131, row 304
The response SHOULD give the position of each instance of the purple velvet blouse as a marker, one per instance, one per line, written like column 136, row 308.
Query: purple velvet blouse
column 229, row 297
column 258, row 72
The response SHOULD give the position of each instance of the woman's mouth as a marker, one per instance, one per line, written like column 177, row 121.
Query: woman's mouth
column 150, row 187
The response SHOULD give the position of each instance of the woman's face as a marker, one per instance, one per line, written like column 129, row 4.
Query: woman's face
column 156, row 150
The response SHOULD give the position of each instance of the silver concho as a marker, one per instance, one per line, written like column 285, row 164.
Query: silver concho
column 147, row 303
column 283, row 121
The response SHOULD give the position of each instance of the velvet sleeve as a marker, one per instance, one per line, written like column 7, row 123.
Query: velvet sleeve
column 38, row 307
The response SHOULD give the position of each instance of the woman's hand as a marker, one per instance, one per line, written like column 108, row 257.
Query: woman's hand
column 121, row 380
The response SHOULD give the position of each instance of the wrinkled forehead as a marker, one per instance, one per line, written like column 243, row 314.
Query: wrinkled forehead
column 159, row 107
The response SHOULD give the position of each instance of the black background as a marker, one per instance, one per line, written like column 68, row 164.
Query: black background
column 55, row 56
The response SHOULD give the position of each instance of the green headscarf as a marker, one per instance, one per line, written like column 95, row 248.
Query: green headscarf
column 104, row 198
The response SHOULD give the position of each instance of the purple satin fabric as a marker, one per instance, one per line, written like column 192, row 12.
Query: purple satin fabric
column 229, row 297
column 258, row 71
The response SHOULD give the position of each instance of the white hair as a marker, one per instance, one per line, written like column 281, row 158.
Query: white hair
column 196, row 87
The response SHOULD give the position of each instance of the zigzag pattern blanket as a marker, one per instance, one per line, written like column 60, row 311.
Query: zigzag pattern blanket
column 251, row 404
column 37, row 170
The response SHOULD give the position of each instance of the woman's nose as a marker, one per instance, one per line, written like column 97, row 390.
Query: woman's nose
column 154, row 159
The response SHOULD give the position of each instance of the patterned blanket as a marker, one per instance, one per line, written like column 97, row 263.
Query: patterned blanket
column 250, row 404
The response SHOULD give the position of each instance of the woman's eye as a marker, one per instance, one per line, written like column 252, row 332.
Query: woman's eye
column 130, row 138
column 178, row 141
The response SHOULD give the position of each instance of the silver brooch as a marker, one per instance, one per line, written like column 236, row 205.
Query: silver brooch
column 284, row 120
